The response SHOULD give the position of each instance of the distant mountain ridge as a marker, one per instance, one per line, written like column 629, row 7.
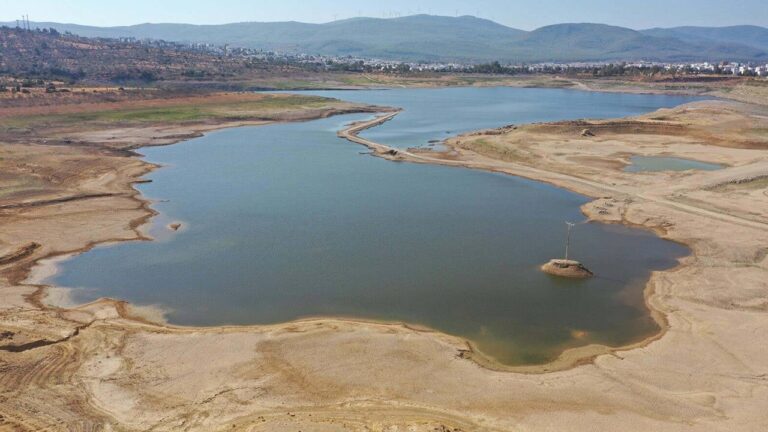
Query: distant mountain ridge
column 753, row 36
column 462, row 39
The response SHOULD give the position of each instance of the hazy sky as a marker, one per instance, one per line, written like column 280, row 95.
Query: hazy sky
column 524, row 14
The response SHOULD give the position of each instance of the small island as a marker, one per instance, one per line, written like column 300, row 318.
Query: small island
column 567, row 268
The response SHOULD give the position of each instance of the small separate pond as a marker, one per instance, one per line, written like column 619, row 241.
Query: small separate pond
column 288, row 221
column 660, row 163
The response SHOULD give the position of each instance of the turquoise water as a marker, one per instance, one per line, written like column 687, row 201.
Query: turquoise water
column 659, row 163
column 288, row 221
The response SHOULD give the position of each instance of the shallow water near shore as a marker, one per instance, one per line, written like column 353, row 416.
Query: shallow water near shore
column 436, row 114
column 287, row 221
column 659, row 163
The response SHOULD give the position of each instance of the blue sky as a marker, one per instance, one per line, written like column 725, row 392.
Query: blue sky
column 524, row 14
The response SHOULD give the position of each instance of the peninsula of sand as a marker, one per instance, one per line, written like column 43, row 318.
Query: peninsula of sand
column 67, row 186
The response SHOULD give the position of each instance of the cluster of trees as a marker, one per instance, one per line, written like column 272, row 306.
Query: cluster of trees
column 24, row 85
column 134, row 75
column 49, row 31
column 606, row 70
column 493, row 68
column 54, row 73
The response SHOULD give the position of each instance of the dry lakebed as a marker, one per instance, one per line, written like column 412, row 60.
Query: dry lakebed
column 241, row 317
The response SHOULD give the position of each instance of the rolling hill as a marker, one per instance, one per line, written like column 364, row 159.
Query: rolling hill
column 69, row 58
column 464, row 39
column 754, row 36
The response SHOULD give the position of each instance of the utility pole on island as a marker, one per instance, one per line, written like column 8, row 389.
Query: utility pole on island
column 568, row 238
column 566, row 267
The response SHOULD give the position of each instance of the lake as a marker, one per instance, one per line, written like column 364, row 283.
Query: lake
column 288, row 221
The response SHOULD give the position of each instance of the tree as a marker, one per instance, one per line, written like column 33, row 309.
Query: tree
column 147, row 76
column 403, row 68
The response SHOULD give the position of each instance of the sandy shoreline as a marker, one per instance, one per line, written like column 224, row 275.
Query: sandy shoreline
column 60, row 297
column 43, row 269
column 571, row 356
column 108, row 336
